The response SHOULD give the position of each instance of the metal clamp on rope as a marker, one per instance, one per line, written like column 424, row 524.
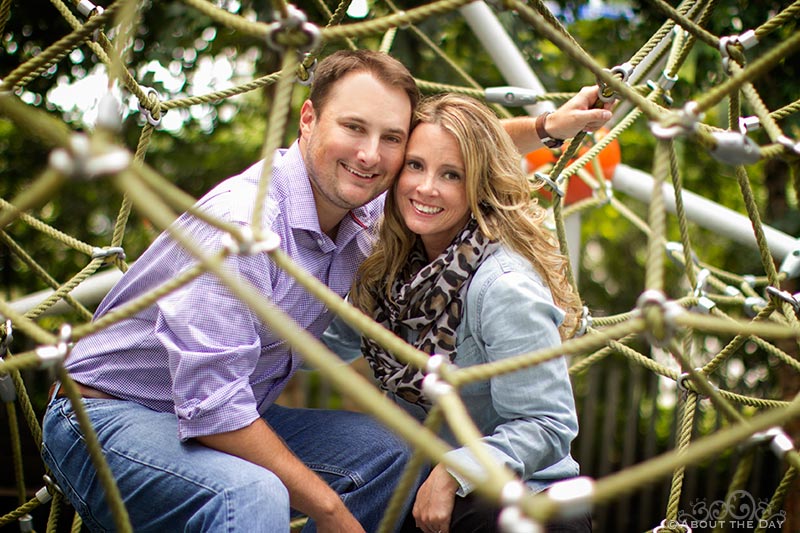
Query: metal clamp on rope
column 786, row 142
column 435, row 364
column 50, row 483
column 785, row 296
column 550, row 183
column 753, row 305
column 683, row 378
column 25, row 523
column 512, row 492
column 684, row 123
column 779, row 442
column 79, row 162
column 50, row 356
column 309, row 71
column 154, row 101
column 675, row 254
column 585, row 323
column 723, row 50
column 666, row 81
column 573, row 496
column 608, row 192
column 665, row 94
column 702, row 280
column 732, row 291
column 513, row 520
column 734, row 148
column 511, row 96
column 606, row 93
column 43, row 495
column 279, row 32
column 435, row 387
column 111, row 251
column 748, row 124
column 88, row 10
column 746, row 40
column 669, row 311
column 704, row 304
column 246, row 243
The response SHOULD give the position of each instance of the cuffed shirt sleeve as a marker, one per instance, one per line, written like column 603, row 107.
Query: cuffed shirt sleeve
column 213, row 345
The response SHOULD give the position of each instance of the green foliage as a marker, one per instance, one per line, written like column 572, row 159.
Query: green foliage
column 218, row 139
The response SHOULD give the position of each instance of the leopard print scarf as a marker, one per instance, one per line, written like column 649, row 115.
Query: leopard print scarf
column 426, row 297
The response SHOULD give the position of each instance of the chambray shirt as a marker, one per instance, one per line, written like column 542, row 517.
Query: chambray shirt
column 528, row 416
column 199, row 352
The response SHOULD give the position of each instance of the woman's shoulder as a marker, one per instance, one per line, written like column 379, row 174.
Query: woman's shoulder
column 507, row 271
column 504, row 260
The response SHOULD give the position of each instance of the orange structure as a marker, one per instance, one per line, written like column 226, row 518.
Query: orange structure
column 543, row 159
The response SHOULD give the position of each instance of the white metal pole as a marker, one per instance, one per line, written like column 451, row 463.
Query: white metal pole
column 514, row 68
column 89, row 293
column 704, row 212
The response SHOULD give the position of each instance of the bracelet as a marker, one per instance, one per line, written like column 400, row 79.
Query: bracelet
column 547, row 140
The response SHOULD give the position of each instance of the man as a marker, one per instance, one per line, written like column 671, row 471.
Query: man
column 181, row 395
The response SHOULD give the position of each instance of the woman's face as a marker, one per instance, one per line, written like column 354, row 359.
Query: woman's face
column 431, row 190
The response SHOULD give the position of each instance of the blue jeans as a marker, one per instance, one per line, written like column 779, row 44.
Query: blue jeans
column 168, row 485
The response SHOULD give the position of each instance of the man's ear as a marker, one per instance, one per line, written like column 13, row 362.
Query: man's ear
column 307, row 118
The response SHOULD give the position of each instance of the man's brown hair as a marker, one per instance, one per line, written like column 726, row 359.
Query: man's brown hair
column 380, row 65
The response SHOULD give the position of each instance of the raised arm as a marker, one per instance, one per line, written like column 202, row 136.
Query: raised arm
column 575, row 115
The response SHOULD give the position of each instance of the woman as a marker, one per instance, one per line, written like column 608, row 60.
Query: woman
column 464, row 267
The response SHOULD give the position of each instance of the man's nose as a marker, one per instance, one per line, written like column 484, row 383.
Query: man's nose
column 368, row 152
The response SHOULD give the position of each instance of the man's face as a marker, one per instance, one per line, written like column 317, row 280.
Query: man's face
column 355, row 147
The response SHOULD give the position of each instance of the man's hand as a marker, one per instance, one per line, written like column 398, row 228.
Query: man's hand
column 433, row 507
column 308, row 493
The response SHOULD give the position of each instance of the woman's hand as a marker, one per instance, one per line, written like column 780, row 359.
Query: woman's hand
column 433, row 507
column 578, row 114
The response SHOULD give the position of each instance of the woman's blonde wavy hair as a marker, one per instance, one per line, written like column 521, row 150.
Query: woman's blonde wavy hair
column 499, row 196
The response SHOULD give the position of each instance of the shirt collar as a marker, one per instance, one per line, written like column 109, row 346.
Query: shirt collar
column 291, row 187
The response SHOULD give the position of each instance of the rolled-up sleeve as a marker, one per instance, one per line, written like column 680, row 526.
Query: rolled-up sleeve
column 213, row 344
column 516, row 316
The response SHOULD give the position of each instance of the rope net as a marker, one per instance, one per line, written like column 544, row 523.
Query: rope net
column 664, row 333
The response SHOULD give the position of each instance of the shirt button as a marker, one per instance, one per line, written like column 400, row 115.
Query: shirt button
column 320, row 242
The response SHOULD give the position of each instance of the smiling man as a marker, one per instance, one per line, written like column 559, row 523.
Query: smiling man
column 182, row 394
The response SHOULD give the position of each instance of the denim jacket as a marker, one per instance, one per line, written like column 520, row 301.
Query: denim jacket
column 527, row 416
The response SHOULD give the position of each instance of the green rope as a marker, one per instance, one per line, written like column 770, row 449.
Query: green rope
column 684, row 438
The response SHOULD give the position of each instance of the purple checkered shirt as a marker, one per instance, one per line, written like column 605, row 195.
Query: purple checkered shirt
column 200, row 352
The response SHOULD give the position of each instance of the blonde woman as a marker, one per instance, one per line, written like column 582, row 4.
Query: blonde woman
column 464, row 267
